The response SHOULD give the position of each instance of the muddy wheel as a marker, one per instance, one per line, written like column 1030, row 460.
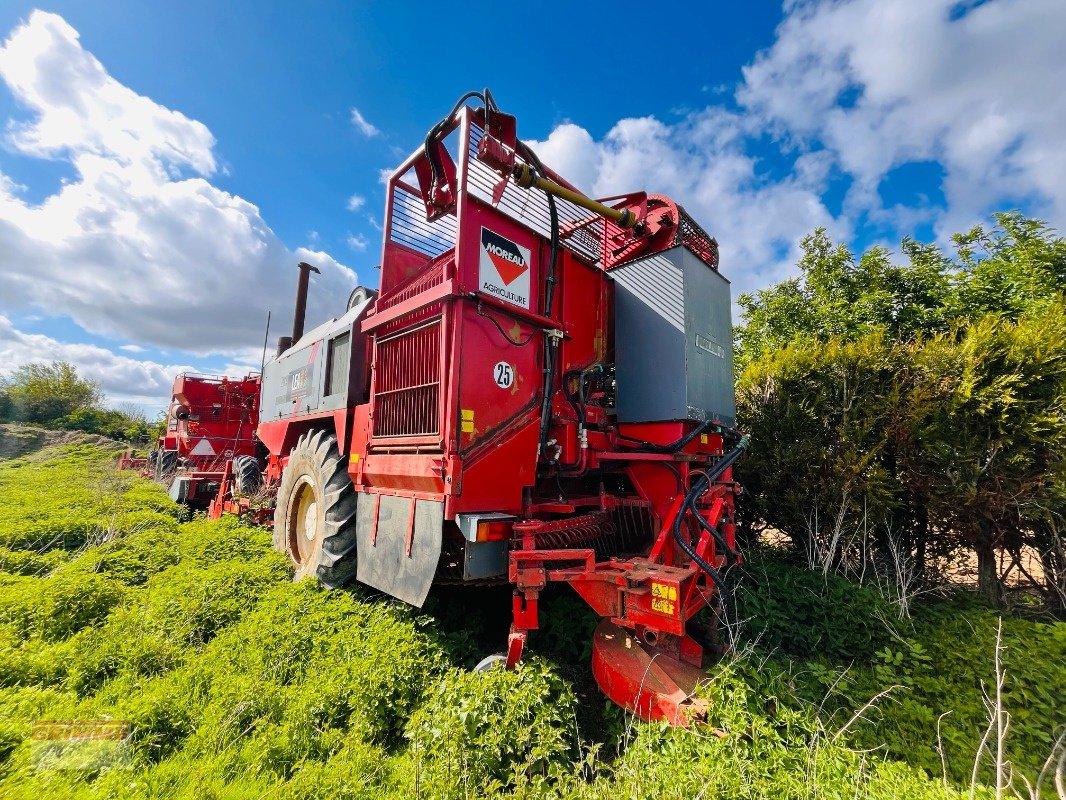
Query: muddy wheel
column 246, row 475
column 166, row 464
column 314, row 520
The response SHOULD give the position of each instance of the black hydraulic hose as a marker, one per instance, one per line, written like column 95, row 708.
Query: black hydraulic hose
column 567, row 377
column 726, row 461
column 435, row 166
column 690, row 499
column 550, row 344
column 673, row 447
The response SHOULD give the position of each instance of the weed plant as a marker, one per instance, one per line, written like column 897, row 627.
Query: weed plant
column 238, row 683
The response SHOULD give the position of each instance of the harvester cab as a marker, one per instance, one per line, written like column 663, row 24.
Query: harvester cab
column 540, row 390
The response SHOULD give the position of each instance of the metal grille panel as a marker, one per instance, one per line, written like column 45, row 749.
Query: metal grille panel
column 530, row 206
column 698, row 240
column 407, row 388
column 409, row 227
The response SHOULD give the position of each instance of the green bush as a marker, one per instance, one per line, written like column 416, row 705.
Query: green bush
column 238, row 682
column 498, row 731
column 912, row 410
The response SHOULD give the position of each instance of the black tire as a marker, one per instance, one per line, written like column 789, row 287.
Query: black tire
column 314, row 520
column 166, row 464
column 246, row 476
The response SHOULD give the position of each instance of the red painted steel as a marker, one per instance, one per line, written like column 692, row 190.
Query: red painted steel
column 461, row 337
column 212, row 419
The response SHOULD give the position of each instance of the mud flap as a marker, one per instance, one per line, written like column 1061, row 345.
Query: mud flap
column 399, row 542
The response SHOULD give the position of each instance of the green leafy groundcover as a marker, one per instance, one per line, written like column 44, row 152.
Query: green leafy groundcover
column 238, row 683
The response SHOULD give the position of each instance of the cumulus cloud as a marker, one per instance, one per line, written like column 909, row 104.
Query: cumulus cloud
column 121, row 377
column 855, row 88
column 362, row 125
column 702, row 161
column 139, row 245
column 357, row 242
column 355, row 202
column 976, row 87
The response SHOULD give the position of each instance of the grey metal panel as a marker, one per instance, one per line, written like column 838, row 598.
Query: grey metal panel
column 708, row 342
column 295, row 376
column 484, row 560
column 673, row 340
column 382, row 560
column 179, row 489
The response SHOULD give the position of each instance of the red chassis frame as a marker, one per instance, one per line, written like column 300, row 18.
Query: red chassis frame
column 435, row 336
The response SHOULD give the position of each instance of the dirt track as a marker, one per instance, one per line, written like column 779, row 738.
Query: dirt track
column 19, row 440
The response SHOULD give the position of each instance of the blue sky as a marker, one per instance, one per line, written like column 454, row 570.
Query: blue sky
column 163, row 166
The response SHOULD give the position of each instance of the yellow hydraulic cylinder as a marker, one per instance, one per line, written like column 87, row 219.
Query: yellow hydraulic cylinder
column 525, row 177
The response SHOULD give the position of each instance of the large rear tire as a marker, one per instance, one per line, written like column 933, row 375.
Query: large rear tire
column 166, row 464
column 314, row 520
column 247, row 478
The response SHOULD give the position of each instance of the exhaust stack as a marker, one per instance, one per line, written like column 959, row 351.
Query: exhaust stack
column 285, row 342
column 301, row 299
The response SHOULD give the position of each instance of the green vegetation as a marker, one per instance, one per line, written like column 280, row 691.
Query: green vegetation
column 906, row 414
column 240, row 683
column 904, row 418
column 54, row 395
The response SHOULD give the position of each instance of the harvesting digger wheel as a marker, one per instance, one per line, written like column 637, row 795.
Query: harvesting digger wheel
column 246, row 476
column 314, row 520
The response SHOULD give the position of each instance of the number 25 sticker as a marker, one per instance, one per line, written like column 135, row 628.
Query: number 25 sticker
column 503, row 375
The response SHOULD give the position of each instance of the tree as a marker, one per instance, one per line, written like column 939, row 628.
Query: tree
column 44, row 393
column 913, row 405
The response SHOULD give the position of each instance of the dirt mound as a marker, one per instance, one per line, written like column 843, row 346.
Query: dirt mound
column 19, row 440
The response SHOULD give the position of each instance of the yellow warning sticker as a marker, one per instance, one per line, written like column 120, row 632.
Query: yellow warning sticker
column 663, row 591
column 662, row 606
column 466, row 420
column 703, row 438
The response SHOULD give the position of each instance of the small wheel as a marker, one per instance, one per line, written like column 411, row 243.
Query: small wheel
column 491, row 662
column 166, row 464
column 314, row 519
column 246, row 476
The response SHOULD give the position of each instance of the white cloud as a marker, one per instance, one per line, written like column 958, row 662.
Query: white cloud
column 362, row 125
column 357, row 242
column 883, row 84
column 133, row 247
column 856, row 87
column 133, row 348
column 121, row 377
column 702, row 162
column 355, row 202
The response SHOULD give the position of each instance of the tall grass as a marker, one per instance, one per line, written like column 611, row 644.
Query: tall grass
column 238, row 683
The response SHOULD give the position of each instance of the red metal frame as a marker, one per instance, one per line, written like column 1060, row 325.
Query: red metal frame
column 452, row 433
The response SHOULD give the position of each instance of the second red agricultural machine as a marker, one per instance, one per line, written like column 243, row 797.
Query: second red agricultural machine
column 540, row 390
column 209, row 439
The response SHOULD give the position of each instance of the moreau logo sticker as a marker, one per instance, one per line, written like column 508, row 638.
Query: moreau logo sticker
column 504, row 269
